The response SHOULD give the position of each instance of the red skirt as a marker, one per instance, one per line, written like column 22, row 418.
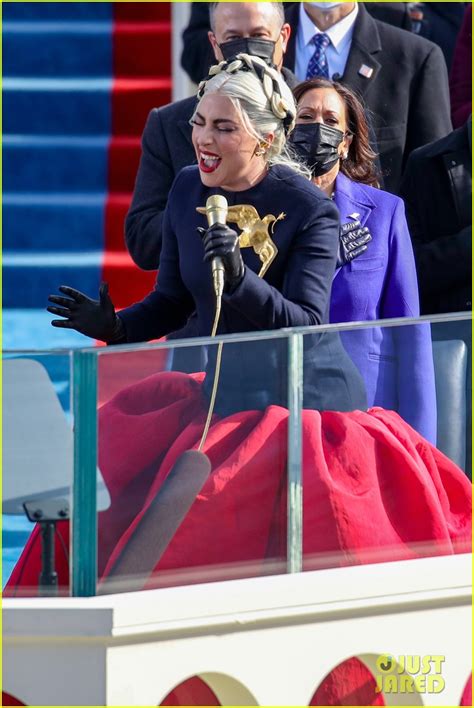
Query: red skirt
column 374, row 489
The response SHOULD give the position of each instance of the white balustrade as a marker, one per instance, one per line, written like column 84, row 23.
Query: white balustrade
column 262, row 641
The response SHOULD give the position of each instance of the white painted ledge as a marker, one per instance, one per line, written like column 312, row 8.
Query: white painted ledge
column 262, row 641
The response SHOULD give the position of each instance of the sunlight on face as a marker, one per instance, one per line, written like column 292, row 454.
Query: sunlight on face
column 225, row 150
column 234, row 20
column 325, row 105
column 322, row 105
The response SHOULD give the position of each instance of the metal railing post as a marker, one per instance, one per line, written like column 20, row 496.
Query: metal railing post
column 84, row 492
column 295, row 455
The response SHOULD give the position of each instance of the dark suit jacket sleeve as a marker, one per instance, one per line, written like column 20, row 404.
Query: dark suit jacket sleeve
column 197, row 55
column 429, row 116
column 307, row 284
column 169, row 306
column 441, row 261
column 144, row 221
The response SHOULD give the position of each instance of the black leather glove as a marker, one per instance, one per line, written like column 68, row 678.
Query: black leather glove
column 223, row 242
column 94, row 318
column 353, row 240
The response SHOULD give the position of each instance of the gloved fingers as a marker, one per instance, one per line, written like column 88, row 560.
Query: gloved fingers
column 63, row 301
column 224, row 243
column 76, row 295
column 360, row 241
column 66, row 324
column 63, row 312
column 350, row 226
column 217, row 253
column 365, row 238
column 220, row 230
column 104, row 296
column 357, row 252
column 356, row 237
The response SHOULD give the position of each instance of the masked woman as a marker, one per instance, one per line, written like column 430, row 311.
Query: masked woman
column 239, row 517
column 376, row 276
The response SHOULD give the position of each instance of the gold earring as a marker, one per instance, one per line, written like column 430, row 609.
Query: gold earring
column 260, row 151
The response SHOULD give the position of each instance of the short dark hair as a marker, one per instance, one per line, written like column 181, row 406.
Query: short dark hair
column 277, row 5
column 359, row 165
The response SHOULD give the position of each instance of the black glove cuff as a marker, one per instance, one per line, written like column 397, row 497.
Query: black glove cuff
column 118, row 335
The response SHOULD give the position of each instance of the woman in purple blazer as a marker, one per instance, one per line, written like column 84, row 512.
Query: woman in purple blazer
column 376, row 277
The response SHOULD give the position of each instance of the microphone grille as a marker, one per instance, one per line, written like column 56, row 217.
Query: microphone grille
column 216, row 201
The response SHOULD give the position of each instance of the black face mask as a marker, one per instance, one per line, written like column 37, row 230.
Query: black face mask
column 316, row 145
column 263, row 48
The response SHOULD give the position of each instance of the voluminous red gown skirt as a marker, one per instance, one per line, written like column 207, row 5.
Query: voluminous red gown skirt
column 374, row 489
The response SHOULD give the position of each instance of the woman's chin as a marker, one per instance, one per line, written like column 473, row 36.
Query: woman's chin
column 209, row 179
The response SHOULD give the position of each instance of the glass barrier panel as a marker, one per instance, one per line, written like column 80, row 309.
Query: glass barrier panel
column 386, row 443
column 327, row 446
column 37, row 459
column 192, row 504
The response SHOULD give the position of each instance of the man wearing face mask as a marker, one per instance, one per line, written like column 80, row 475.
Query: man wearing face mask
column 255, row 28
column 401, row 77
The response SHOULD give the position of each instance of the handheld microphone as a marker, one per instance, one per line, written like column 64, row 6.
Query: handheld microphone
column 216, row 212
column 156, row 529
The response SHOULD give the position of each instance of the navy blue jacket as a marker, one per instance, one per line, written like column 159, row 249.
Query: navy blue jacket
column 294, row 293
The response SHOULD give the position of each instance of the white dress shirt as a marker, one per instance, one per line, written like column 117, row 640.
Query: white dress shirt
column 337, row 52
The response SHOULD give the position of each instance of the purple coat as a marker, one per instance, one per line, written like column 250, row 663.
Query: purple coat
column 396, row 363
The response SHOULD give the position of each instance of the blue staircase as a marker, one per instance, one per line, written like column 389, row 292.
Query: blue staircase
column 57, row 79
column 57, row 69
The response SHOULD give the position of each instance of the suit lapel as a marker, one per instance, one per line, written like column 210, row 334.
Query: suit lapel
column 292, row 17
column 362, row 65
column 351, row 200
column 460, row 181
column 186, row 130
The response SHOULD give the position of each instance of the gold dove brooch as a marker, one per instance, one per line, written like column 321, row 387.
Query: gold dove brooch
column 254, row 232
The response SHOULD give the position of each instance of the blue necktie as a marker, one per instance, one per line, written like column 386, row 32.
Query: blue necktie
column 318, row 64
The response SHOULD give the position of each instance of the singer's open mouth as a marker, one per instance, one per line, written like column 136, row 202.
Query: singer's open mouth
column 209, row 162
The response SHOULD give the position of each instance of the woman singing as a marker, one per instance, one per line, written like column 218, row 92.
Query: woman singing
column 359, row 466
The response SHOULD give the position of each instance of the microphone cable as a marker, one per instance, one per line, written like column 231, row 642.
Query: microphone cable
column 217, row 372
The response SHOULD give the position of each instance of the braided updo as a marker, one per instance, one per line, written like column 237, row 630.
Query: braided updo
column 263, row 100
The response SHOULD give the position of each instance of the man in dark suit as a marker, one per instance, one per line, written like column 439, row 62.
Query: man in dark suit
column 166, row 140
column 437, row 189
column 402, row 79
column 197, row 54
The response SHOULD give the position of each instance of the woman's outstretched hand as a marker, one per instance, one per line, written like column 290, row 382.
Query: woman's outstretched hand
column 94, row 318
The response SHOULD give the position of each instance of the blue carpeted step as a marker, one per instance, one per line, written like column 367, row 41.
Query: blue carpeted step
column 54, row 164
column 53, row 222
column 57, row 106
column 57, row 49
column 30, row 329
column 28, row 278
column 24, row 11
column 15, row 533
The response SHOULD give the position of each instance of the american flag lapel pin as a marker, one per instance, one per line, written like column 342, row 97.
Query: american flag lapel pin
column 366, row 71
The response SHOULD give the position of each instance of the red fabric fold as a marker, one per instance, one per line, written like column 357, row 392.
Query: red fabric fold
column 374, row 490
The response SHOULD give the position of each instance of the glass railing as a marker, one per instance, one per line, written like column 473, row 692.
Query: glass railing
column 281, row 452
